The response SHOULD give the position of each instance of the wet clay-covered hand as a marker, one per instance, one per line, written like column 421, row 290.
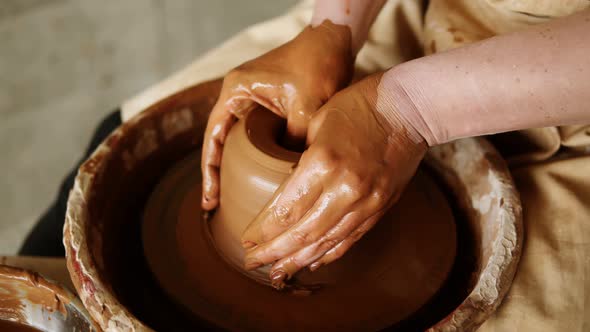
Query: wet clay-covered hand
column 357, row 165
column 293, row 80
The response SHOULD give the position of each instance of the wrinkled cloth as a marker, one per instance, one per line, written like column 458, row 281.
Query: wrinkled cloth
column 550, row 166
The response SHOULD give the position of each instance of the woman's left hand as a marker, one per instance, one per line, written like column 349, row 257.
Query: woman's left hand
column 356, row 166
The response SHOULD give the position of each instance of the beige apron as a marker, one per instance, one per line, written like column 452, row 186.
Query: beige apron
column 551, row 166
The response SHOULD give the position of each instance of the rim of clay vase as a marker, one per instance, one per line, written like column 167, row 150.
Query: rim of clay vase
column 469, row 156
column 64, row 312
column 264, row 148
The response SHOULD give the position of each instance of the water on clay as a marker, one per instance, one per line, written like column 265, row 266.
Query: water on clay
column 396, row 270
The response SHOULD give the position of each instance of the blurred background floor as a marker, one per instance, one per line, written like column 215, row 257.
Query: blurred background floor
column 64, row 64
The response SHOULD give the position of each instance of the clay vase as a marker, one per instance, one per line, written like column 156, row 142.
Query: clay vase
column 253, row 166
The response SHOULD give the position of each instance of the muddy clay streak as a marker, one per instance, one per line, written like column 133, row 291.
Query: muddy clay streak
column 17, row 284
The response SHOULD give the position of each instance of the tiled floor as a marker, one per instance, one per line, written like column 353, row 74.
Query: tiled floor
column 65, row 63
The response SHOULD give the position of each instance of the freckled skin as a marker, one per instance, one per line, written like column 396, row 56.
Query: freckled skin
column 500, row 84
column 293, row 81
column 355, row 168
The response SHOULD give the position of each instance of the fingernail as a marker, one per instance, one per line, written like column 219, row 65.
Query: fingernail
column 277, row 279
column 251, row 264
column 315, row 266
column 248, row 244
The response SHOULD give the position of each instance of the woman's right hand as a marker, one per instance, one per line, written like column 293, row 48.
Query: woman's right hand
column 362, row 153
column 293, row 81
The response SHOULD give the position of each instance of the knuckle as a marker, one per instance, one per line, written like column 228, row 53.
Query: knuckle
column 283, row 222
column 312, row 237
column 328, row 244
column 355, row 178
column 296, row 264
column 291, row 265
column 354, row 191
column 298, row 237
column 354, row 185
column 280, row 215
column 269, row 258
column 266, row 256
column 327, row 157
column 358, row 233
column 378, row 199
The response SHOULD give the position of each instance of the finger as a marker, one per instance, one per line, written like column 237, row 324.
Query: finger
column 298, row 119
column 218, row 125
column 297, row 122
column 324, row 215
column 294, row 137
column 289, row 203
column 341, row 248
column 289, row 266
column 239, row 105
column 220, row 122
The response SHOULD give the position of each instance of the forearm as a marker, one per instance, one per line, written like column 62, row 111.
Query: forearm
column 535, row 78
column 358, row 15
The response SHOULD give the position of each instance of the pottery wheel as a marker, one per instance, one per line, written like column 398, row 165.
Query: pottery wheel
column 389, row 274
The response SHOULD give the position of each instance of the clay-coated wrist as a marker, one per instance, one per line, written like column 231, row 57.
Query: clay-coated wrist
column 399, row 129
column 397, row 101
